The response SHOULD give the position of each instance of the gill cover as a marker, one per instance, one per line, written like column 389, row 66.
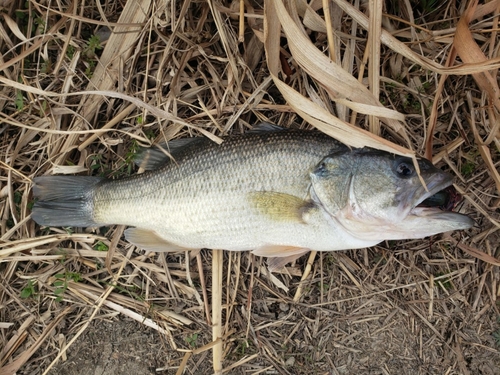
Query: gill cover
column 331, row 180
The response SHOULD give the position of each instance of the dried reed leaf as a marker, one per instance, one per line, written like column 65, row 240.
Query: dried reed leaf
column 373, row 110
column 273, row 279
column 448, row 149
column 336, row 81
column 374, row 31
column 484, row 150
column 177, row 318
column 14, row 366
column 16, row 340
column 116, row 120
column 34, row 46
column 208, row 346
column 14, row 27
column 67, row 169
column 479, row 254
column 477, row 206
column 466, row 47
column 311, row 112
column 329, row 28
column 399, row 47
column 112, row 94
column 125, row 311
column 12, row 247
column 471, row 53
column 486, row 155
column 305, row 275
column 431, row 126
column 117, row 50
column 312, row 20
column 241, row 362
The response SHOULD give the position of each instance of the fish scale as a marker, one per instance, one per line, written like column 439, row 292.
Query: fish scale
column 201, row 199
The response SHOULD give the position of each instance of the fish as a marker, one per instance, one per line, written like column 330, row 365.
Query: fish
column 276, row 192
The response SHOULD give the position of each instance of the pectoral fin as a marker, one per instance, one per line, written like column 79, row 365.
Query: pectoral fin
column 275, row 264
column 149, row 240
column 280, row 206
column 279, row 251
column 279, row 256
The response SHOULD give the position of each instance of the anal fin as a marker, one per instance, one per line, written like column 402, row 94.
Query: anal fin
column 149, row 240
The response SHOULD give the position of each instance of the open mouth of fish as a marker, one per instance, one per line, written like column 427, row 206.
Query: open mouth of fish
column 439, row 203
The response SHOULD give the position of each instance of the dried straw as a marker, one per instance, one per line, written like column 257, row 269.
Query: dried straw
column 409, row 80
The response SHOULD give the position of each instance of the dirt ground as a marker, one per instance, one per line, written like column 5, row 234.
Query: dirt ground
column 115, row 347
column 121, row 346
column 378, row 327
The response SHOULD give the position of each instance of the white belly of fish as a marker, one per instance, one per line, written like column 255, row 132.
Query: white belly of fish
column 230, row 222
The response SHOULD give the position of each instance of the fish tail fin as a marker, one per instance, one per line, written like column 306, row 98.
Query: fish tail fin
column 64, row 200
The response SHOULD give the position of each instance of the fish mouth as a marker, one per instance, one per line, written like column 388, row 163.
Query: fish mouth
column 439, row 202
column 434, row 188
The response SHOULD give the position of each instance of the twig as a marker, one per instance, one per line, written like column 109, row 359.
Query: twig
column 309, row 264
column 217, row 259
column 203, row 288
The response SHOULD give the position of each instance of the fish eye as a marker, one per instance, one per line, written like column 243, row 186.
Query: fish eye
column 405, row 170
column 320, row 169
column 323, row 166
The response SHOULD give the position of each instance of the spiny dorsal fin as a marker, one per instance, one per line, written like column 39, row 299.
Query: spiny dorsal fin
column 265, row 127
column 157, row 156
column 280, row 206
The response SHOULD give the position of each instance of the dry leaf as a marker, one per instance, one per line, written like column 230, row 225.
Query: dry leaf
column 479, row 254
column 328, row 73
column 470, row 52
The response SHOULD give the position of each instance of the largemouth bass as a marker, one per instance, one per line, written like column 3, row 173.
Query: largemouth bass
column 278, row 193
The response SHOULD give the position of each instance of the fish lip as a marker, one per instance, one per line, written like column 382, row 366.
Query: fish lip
column 434, row 186
column 460, row 221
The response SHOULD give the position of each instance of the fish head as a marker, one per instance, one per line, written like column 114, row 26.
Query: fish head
column 376, row 195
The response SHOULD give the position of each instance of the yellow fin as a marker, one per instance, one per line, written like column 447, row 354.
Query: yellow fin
column 280, row 206
column 149, row 240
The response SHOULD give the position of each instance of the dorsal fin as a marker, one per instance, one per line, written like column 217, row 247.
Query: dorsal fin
column 265, row 127
column 157, row 156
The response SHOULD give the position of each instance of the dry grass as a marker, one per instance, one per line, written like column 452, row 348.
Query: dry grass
column 73, row 104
